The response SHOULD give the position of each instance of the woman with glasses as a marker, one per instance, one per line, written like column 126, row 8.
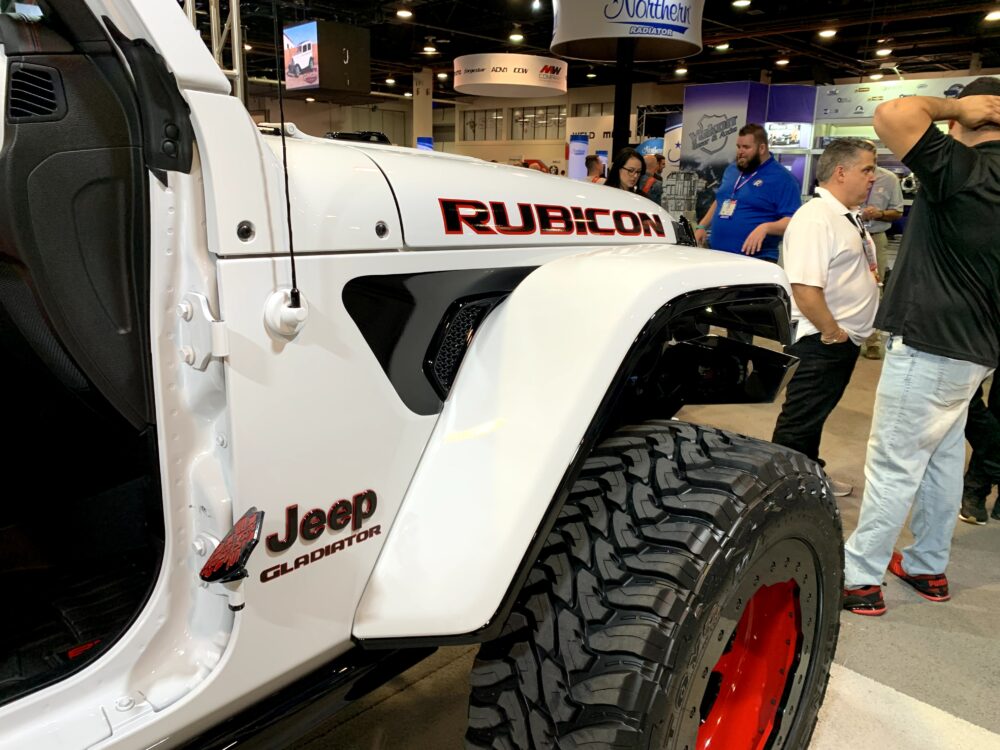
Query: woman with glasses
column 626, row 170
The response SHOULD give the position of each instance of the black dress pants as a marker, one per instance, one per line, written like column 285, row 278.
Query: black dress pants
column 814, row 390
column 982, row 430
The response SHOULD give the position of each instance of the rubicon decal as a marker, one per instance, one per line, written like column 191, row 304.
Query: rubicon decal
column 461, row 216
column 314, row 523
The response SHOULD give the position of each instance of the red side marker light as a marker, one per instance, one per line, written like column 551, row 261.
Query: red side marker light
column 228, row 561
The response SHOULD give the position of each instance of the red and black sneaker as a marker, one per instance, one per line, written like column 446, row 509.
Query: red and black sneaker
column 933, row 587
column 866, row 600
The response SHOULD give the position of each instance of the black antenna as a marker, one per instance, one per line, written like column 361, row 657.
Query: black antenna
column 279, row 60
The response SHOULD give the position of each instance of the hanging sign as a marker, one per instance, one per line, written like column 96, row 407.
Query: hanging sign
column 662, row 29
column 501, row 74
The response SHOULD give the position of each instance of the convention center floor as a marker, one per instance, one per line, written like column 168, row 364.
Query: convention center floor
column 925, row 676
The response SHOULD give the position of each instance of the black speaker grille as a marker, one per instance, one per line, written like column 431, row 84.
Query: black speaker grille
column 35, row 94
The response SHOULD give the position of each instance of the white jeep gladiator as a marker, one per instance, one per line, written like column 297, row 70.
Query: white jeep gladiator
column 245, row 485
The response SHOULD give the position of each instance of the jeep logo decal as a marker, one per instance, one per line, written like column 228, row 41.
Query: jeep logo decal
column 314, row 522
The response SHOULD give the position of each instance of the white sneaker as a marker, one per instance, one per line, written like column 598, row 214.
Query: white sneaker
column 840, row 489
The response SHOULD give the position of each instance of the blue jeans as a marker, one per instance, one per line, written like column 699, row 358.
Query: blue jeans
column 916, row 456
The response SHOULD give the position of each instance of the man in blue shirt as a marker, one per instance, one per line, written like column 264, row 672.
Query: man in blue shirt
column 754, row 202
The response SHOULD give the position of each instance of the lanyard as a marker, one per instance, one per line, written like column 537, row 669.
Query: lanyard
column 866, row 242
column 745, row 181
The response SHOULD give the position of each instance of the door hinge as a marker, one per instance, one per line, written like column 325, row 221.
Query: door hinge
column 202, row 337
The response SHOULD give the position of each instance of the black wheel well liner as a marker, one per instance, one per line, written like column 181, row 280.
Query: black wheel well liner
column 761, row 308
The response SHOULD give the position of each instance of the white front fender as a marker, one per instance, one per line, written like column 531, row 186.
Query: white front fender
column 513, row 423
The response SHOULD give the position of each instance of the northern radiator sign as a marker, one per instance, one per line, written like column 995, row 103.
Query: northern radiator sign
column 500, row 74
column 661, row 29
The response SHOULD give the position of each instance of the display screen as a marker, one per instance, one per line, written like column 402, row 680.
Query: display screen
column 302, row 56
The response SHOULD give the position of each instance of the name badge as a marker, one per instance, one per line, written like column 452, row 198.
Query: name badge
column 728, row 208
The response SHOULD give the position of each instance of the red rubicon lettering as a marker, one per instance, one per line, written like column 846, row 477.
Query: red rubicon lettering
column 651, row 225
column 502, row 222
column 592, row 215
column 543, row 218
column 627, row 223
column 458, row 214
column 554, row 219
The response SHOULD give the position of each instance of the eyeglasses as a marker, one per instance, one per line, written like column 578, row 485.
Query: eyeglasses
column 632, row 170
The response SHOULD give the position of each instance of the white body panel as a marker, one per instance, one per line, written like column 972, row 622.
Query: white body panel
column 339, row 196
column 526, row 392
column 420, row 179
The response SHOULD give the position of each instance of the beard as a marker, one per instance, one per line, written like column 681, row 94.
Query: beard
column 751, row 164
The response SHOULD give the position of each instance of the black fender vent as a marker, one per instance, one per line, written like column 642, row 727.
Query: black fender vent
column 452, row 340
column 35, row 94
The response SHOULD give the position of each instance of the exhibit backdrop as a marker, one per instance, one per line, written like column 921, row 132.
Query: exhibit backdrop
column 713, row 115
column 858, row 101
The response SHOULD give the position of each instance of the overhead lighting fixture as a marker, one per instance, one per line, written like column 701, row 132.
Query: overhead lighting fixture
column 247, row 47
column 442, row 76
column 404, row 13
column 408, row 93
column 722, row 47
column 884, row 52
column 828, row 33
column 390, row 81
column 993, row 15
column 680, row 70
column 536, row 5
column 310, row 99
column 591, row 74
column 876, row 76
column 741, row 3
column 430, row 49
column 516, row 35
column 781, row 61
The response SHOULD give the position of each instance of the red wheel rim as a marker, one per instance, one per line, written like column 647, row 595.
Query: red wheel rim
column 749, row 681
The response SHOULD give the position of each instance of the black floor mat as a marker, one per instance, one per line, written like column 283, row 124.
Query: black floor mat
column 60, row 619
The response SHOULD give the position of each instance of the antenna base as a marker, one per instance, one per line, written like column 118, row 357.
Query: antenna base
column 280, row 318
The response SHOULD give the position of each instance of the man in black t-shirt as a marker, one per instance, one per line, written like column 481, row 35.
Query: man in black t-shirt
column 942, row 310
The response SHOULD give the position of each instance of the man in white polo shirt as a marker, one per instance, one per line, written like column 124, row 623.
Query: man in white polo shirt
column 830, row 261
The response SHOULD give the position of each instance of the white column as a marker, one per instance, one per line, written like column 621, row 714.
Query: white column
column 423, row 94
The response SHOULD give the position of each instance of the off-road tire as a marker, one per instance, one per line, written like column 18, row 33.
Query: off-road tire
column 668, row 537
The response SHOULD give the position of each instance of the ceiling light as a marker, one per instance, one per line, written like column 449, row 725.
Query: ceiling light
column 430, row 49
column 408, row 93
column 516, row 35
column 391, row 81
column 884, row 52
column 310, row 99
column 722, row 47
column 993, row 15
column 876, row 76
column 442, row 76
column 591, row 74
column 247, row 47
column 828, row 33
column 741, row 3
column 782, row 61
column 680, row 70
column 536, row 5
column 404, row 13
